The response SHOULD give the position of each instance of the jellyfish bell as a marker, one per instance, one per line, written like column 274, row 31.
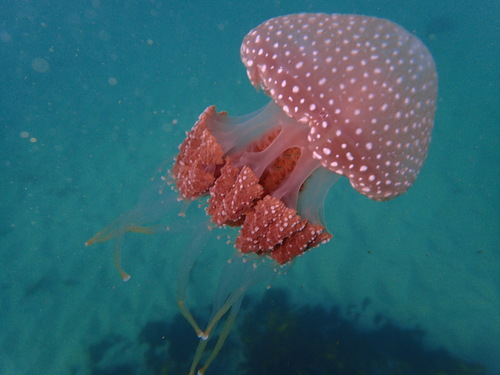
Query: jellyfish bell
column 352, row 96
column 365, row 88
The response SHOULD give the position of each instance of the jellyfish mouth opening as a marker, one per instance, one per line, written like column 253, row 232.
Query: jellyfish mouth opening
column 254, row 168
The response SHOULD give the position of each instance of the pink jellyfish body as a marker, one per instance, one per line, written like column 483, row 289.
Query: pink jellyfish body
column 355, row 95
column 352, row 96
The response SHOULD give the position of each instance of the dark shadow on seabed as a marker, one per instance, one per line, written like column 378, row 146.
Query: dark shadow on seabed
column 274, row 337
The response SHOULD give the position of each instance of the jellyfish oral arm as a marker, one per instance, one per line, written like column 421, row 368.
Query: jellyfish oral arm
column 256, row 184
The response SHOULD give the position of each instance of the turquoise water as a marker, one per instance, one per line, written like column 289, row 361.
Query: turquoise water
column 95, row 96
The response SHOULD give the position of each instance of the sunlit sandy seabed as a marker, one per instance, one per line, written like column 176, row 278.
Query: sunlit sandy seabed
column 94, row 99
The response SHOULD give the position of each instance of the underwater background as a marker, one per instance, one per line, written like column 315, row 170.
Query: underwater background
column 96, row 95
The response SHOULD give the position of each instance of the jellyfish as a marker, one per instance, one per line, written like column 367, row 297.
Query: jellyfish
column 351, row 96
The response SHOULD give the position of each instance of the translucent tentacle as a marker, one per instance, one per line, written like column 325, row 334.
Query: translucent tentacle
column 240, row 274
column 117, row 257
column 187, row 263
column 228, row 325
column 154, row 204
